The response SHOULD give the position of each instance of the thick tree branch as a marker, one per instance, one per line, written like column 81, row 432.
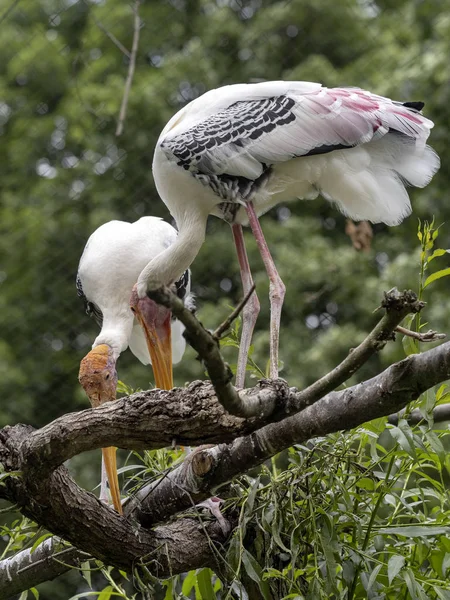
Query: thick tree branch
column 440, row 414
column 207, row 346
column 56, row 503
column 46, row 449
column 59, row 505
column 386, row 393
column 247, row 403
column 27, row 569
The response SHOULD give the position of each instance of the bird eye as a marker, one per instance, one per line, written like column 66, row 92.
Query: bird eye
column 107, row 377
column 132, row 309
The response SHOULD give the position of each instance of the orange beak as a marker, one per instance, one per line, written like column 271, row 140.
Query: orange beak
column 155, row 321
column 99, row 379
column 109, row 457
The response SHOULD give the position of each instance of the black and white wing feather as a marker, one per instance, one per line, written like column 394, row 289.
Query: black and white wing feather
column 233, row 138
column 248, row 135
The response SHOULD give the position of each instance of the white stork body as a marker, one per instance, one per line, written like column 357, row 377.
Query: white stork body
column 114, row 256
column 239, row 150
column 112, row 260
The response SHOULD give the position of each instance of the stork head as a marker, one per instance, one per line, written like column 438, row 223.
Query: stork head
column 98, row 375
column 155, row 321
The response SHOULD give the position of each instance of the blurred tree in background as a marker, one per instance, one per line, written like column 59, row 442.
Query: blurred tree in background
column 64, row 172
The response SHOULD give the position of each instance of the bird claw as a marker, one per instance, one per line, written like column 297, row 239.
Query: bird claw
column 213, row 505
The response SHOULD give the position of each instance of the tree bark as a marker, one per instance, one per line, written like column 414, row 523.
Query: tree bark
column 44, row 491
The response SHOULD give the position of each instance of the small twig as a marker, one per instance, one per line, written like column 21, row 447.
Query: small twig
column 428, row 336
column 240, row 404
column 112, row 37
column 131, row 67
column 397, row 306
column 229, row 320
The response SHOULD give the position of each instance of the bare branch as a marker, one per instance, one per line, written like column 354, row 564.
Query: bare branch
column 397, row 306
column 440, row 414
column 384, row 394
column 56, row 503
column 59, row 505
column 27, row 569
column 191, row 415
column 236, row 312
column 241, row 404
column 248, row 404
column 427, row 336
column 112, row 37
column 131, row 67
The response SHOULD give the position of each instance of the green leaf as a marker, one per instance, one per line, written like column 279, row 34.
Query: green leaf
column 106, row 593
column 442, row 391
column 410, row 345
column 188, row 583
column 86, row 572
column 366, row 483
column 39, row 541
column 395, row 565
column 404, row 439
column 436, row 253
column 251, row 566
column 204, row 582
column 436, row 445
column 169, row 590
column 35, row 593
column 414, row 588
column 442, row 594
column 373, row 577
column 435, row 276
column 415, row 530
column 254, row 571
column 251, row 496
column 446, row 564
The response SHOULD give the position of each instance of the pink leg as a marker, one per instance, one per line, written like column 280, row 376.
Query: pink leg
column 277, row 288
column 251, row 309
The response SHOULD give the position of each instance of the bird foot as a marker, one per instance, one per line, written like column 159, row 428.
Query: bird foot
column 213, row 505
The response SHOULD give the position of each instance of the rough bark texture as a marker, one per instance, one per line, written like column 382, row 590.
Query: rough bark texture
column 193, row 416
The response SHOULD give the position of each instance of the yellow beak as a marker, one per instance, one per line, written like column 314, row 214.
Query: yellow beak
column 109, row 456
column 159, row 343
column 155, row 320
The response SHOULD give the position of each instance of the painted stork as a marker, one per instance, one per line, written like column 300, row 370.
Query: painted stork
column 239, row 150
column 114, row 256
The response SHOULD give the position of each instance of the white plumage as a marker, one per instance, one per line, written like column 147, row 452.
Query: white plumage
column 112, row 260
column 239, row 150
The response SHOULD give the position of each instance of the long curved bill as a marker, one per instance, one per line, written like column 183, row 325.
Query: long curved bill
column 109, row 458
column 155, row 321
column 99, row 379
column 159, row 342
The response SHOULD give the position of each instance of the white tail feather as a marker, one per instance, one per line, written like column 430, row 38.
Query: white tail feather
column 366, row 182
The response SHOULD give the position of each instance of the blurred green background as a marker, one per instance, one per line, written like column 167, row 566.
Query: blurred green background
column 63, row 172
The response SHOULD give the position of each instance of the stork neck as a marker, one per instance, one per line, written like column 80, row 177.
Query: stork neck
column 115, row 333
column 168, row 266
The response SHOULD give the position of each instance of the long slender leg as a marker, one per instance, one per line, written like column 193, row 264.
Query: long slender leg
column 251, row 309
column 277, row 288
